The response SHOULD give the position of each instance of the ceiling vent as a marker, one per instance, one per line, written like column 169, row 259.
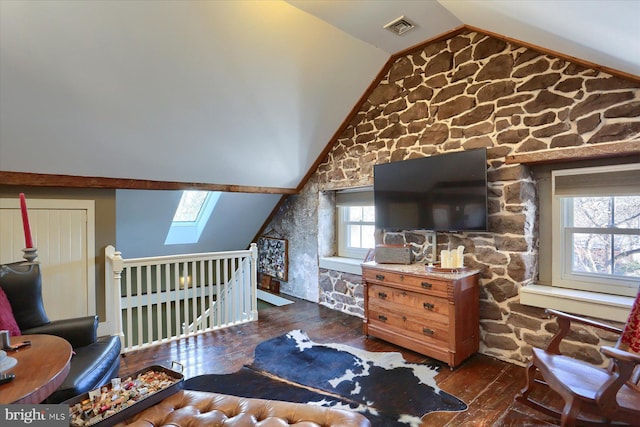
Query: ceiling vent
column 400, row 26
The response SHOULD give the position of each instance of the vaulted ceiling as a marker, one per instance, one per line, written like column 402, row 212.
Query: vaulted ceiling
column 246, row 93
column 229, row 94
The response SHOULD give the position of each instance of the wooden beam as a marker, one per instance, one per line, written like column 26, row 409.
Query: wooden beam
column 583, row 152
column 72, row 181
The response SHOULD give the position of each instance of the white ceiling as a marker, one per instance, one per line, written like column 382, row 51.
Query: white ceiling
column 605, row 32
column 235, row 92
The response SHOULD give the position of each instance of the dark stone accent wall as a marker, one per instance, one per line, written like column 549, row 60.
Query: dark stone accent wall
column 342, row 291
column 474, row 91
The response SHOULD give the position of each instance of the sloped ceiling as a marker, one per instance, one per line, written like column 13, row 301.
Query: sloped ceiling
column 230, row 93
column 246, row 93
column 600, row 31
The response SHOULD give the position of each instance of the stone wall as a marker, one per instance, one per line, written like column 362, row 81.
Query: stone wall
column 474, row 91
column 297, row 221
column 342, row 291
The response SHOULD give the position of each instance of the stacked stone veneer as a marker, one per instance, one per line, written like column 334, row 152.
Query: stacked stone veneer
column 467, row 92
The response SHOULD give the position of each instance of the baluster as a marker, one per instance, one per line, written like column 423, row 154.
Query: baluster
column 230, row 294
column 129, row 311
column 138, row 286
column 202, row 281
column 218, row 293
column 149, row 289
column 193, row 295
column 158, row 305
column 240, row 284
column 167, row 299
column 210, row 283
column 177, row 298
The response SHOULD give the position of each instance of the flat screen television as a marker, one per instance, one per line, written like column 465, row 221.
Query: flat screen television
column 446, row 192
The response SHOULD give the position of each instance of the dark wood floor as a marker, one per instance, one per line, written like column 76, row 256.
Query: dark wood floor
column 486, row 384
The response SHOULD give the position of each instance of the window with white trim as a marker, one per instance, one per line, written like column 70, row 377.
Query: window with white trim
column 356, row 227
column 355, row 223
column 596, row 229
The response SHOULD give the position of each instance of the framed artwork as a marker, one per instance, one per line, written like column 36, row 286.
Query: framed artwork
column 272, row 257
column 371, row 255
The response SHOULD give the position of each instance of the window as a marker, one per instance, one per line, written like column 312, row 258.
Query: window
column 191, row 217
column 356, row 227
column 190, row 206
column 596, row 224
column 603, row 235
column 578, row 215
column 355, row 218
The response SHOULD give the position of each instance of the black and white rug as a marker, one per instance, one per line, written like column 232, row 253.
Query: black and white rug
column 381, row 385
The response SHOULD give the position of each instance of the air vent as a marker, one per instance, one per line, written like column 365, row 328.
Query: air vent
column 399, row 26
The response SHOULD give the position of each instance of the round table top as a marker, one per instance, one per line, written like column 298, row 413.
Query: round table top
column 40, row 370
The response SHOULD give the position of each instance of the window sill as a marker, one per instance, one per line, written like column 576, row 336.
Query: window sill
column 592, row 304
column 345, row 265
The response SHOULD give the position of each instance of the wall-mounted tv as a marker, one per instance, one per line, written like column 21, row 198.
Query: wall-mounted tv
column 446, row 192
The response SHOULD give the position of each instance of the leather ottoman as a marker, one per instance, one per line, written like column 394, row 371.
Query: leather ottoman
column 196, row 408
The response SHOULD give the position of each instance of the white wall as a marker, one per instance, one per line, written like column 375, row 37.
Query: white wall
column 143, row 219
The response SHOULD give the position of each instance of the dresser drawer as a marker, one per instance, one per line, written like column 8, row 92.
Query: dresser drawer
column 419, row 328
column 413, row 304
column 408, row 281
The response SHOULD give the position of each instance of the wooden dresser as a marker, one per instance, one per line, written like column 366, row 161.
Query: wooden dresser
column 435, row 314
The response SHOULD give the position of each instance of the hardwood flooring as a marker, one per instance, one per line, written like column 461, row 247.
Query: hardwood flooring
column 486, row 384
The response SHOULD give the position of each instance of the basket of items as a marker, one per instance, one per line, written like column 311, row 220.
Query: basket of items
column 124, row 397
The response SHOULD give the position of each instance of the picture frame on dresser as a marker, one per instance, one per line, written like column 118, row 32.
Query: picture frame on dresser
column 371, row 255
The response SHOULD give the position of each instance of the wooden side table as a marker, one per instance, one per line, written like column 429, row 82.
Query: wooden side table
column 41, row 369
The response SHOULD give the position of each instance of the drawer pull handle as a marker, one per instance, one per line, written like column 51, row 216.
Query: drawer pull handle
column 426, row 285
column 428, row 306
column 427, row 331
column 382, row 295
column 381, row 317
column 380, row 276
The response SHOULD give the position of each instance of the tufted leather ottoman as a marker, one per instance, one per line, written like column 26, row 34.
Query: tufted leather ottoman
column 197, row 408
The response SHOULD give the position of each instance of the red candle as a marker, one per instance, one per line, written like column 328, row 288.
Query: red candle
column 25, row 222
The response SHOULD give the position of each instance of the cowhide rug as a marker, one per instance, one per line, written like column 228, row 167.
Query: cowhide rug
column 380, row 385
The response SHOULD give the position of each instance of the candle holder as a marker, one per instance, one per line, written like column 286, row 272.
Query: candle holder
column 30, row 254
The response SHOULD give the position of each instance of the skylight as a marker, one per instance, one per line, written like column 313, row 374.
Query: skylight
column 190, row 206
column 191, row 216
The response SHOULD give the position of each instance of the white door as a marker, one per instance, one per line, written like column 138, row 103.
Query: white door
column 63, row 234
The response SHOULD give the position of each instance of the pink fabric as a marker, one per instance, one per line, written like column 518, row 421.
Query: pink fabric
column 631, row 333
column 7, row 321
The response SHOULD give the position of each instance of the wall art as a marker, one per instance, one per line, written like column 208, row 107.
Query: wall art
column 272, row 257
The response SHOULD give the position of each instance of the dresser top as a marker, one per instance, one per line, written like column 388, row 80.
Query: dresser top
column 421, row 269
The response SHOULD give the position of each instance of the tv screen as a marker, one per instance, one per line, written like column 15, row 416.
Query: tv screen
column 447, row 192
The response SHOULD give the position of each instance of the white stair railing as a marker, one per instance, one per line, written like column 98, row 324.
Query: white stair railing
column 218, row 311
column 160, row 299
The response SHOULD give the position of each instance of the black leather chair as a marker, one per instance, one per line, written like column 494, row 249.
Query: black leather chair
column 96, row 359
